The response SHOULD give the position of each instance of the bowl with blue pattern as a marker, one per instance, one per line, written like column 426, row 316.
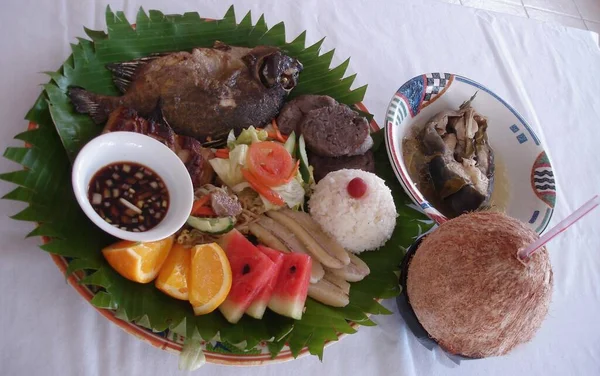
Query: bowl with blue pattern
column 524, row 173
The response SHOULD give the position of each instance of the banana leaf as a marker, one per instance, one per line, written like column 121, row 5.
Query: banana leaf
column 44, row 183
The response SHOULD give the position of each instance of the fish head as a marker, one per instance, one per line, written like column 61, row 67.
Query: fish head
column 273, row 68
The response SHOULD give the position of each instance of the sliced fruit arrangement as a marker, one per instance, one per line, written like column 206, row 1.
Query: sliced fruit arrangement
column 200, row 274
column 298, row 259
column 136, row 261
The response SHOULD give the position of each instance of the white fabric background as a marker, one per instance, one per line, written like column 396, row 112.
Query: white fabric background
column 548, row 73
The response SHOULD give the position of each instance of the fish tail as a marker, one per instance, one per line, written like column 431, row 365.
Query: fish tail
column 86, row 102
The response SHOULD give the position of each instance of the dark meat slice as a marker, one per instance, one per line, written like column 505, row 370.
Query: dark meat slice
column 224, row 205
column 293, row 112
column 189, row 150
column 334, row 131
column 325, row 165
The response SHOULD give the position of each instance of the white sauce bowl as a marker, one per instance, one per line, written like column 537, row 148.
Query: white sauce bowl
column 137, row 148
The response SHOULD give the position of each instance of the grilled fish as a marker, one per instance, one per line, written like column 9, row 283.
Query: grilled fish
column 192, row 154
column 202, row 94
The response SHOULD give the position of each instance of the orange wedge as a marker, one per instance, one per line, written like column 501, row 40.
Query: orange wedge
column 137, row 261
column 209, row 280
column 172, row 278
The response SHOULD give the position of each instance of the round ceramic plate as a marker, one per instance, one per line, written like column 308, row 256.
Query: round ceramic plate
column 529, row 178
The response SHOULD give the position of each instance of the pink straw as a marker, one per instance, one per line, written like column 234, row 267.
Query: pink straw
column 525, row 253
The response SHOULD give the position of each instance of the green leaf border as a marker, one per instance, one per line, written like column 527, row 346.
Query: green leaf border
column 61, row 133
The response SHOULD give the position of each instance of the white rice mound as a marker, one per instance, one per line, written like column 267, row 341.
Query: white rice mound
column 362, row 224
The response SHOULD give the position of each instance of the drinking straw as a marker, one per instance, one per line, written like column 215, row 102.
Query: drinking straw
column 525, row 253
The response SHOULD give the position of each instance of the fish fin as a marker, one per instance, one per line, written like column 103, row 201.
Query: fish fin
column 86, row 102
column 124, row 73
column 157, row 114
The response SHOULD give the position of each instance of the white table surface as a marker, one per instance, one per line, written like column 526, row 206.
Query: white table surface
column 550, row 74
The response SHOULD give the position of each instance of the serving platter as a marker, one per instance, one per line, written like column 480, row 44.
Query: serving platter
column 215, row 351
column 57, row 133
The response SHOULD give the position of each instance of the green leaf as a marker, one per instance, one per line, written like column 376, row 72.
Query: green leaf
column 44, row 184
column 97, row 278
column 276, row 346
column 95, row 35
column 103, row 300
column 82, row 263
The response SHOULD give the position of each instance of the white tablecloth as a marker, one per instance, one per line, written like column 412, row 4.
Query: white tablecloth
column 549, row 73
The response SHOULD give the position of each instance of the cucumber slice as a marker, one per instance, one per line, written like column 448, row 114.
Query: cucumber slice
column 305, row 170
column 212, row 225
column 290, row 144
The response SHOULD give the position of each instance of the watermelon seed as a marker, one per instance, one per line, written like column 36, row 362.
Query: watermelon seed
column 293, row 269
column 246, row 269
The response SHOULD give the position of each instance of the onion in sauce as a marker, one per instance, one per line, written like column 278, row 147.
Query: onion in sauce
column 129, row 196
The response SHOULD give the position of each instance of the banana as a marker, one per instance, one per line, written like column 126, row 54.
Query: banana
column 313, row 247
column 329, row 244
column 267, row 238
column 327, row 293
column 353, row 272
column 339, row 282
column 283, row 235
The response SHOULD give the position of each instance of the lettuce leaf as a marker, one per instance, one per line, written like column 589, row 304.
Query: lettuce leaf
column 292, row 193
column 230, row 170
column 248, row 136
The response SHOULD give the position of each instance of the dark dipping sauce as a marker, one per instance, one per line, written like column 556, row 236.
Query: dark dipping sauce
column 129, row 196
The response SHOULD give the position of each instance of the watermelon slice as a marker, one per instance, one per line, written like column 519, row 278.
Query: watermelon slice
column 291, row 288
column 250, row 269
column 259, row 305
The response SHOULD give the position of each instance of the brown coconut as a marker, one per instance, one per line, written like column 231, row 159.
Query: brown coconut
column 470, row 291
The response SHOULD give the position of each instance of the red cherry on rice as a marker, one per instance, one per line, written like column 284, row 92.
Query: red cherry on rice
column 357, row 188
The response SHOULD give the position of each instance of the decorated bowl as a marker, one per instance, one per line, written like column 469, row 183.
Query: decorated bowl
column 524, row 176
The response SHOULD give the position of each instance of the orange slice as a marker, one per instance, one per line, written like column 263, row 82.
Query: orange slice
column 172, row 278
column 136, row 261
column 209, row 280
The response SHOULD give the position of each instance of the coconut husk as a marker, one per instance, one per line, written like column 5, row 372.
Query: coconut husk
column 469, row 290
